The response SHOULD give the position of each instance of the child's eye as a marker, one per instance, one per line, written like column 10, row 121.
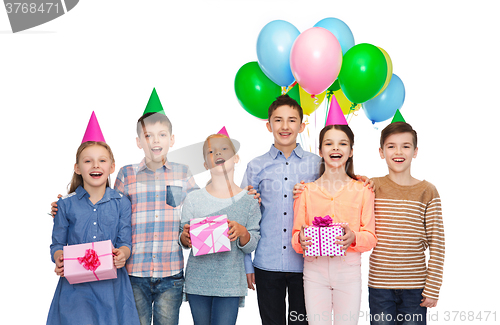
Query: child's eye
column 147, row 136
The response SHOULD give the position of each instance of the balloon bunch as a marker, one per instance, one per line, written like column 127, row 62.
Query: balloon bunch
column 317, row 63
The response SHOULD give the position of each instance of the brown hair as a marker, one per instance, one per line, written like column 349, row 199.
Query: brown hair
column 152, row 118
column 77, row 180
column 395, row 128
column 284, row 100
column 349, row 166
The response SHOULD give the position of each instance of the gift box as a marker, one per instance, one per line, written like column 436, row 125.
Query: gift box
column 209, row 235
column 323, row 233
column 89, row 262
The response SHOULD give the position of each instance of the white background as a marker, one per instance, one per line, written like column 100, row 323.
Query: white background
column 107, row 56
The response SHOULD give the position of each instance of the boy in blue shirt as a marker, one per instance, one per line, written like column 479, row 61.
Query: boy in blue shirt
column 277, row 268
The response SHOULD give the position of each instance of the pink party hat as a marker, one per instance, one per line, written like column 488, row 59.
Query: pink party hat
column 335, row 115
column 223, row 131
column 93, row 132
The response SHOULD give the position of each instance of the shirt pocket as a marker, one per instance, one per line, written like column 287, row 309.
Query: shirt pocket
column 173, row 193
column 348, row 212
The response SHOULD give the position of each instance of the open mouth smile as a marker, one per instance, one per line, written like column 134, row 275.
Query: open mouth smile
column 335, row 156
column 220, row 161
column 95, row 174
column 156, row 150
column 398, row 160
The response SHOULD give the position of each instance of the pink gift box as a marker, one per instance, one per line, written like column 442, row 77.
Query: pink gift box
column 323, row 240
column 209, row 235
column 89, row 262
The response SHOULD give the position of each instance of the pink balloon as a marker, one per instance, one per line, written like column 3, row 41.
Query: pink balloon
column 316, row 59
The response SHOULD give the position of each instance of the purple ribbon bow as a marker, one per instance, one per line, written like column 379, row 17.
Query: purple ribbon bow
column 322, row 221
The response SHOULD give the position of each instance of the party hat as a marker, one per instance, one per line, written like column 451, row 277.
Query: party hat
column 154, row 104
column 398, row 117
column 335, row 115
column 223, row 131
column 93, row 132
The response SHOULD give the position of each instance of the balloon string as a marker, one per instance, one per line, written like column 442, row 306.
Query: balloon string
column 351, row 112
column 285, row 90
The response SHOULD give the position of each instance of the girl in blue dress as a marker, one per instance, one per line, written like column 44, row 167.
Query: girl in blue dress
column 91, row 212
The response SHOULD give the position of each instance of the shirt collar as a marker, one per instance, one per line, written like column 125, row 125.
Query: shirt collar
column 143, row 166
column 108, row 195
column 299, row 152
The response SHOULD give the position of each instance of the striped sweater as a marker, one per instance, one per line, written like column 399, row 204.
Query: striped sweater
column 407, row 221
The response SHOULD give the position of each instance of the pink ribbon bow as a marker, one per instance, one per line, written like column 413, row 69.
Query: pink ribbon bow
column 322, row 221
column 90, row 261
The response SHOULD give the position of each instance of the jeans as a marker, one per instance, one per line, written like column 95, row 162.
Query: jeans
column 396, row 306
column 271, row 293
column 158, row 298
column 209, row 310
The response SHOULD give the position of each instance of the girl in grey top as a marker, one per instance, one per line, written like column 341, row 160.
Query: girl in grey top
column 216, row 283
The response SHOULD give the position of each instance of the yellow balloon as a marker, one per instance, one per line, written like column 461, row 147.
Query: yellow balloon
column 309, row 104
column 389, row 71
column 345, row 104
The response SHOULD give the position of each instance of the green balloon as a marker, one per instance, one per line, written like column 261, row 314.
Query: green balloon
column 363, row 73
column 254, row 90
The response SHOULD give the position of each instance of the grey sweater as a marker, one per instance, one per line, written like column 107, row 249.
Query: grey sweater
column 221, row 274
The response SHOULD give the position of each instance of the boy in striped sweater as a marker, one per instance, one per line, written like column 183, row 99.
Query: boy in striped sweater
column 408, row 220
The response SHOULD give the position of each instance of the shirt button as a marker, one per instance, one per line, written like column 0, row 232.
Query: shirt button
column 154, row 256
column 156, row 216
column 286, row 179
column 94, row 237
column 284, row 213
column 281, row 153
column 285, row 195
column 284, row 247
column 95, row 223
column 95, row 210
column 284, row 230
column 287, row 163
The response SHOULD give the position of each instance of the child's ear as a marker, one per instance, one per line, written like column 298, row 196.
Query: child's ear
column 172, row 140
column 138, row 142
column 415, row 154
column 205, row 165
column 268, row 125
column 112, row 170
column 77, row 169
column 236, row 159
column 381, row 152
column 302, row 127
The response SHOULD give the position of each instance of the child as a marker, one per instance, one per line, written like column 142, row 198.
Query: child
column 408, row 219
column 216, row 283
column 93, row 212
column 157, row 189
column 334, row 283
column 278, row 268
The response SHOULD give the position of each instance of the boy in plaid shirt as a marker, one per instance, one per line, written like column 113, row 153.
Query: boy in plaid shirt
column 156, row 188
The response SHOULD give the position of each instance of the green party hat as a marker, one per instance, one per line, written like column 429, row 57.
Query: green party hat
column 398, row 117
column 154, row 104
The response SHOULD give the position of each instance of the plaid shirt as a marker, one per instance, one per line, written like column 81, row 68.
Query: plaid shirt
column 156, row 198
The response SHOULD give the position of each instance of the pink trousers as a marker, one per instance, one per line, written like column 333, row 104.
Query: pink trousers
column 333, row 284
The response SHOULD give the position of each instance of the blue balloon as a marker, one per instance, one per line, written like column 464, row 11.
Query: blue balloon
column 273, row 51
column 341, row 31
column 384, row 106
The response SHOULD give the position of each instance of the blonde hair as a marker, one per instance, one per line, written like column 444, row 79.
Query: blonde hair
column 77, row 180
column 216, row 136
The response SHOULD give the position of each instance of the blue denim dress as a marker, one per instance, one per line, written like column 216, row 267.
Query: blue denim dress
column 79, row 221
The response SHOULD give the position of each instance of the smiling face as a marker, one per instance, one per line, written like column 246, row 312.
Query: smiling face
column 285, row 124
column 398, row 152
column 156, row 140
column 335, row 149
column 219, row 151
column 94, row 165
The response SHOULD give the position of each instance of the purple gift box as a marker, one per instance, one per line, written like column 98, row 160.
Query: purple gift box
column 323, row 233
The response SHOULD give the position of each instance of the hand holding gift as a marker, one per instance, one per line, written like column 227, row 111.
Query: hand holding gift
column 185, row 237
column 59, row 258
column 304, row 240
column 347, row 239
column 236, row 230
column 120, row 256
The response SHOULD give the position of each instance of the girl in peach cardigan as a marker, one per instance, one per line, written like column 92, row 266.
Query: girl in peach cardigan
column 334, row 283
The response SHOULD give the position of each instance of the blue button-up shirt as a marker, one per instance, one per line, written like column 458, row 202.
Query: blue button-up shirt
column 79, row 221
column 274, row 176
